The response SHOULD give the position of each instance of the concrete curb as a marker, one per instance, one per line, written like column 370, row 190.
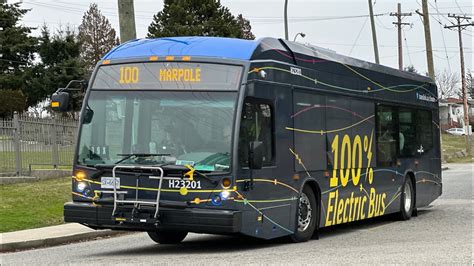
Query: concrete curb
column 21, row 244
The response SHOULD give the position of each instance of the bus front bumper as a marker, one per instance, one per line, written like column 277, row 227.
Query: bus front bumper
column 183, row 219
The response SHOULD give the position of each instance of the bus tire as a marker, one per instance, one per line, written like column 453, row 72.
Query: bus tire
column 167, row 237
column 306, row 216
column 407, row 201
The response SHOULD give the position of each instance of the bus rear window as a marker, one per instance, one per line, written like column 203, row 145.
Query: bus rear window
column 168, row 76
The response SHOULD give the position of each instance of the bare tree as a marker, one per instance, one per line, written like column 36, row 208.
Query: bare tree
column 97, row 36
column 448, row 84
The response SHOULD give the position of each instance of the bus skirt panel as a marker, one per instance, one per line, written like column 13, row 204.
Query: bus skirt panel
column 182, row 219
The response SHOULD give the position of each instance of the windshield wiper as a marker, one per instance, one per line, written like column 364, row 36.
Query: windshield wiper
column 214, row 182
column 130, row 155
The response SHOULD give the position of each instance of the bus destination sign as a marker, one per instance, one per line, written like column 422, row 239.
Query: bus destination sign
column 168, row 76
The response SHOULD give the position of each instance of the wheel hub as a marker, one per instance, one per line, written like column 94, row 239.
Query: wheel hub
column 304, row 213
column 407, row 192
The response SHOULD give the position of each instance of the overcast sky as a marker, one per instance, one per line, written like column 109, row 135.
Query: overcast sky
column 348, row 36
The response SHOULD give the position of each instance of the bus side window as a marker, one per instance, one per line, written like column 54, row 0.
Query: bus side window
column 387, row 135
column 424, row 130
column 309, row 114
column 256, row 125
column 407, row 143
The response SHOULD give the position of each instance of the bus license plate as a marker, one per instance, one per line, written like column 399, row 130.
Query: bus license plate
column 108, row 182
column 184, row 183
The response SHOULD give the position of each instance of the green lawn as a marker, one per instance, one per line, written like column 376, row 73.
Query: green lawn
column 452, row 144
column 32, row 205
column 7, row 160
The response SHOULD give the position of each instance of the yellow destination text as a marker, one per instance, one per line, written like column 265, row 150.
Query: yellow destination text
column 181, row 74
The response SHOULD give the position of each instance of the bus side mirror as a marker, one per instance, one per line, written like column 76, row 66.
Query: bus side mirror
column 255, row 155
column 88, row 114
column 60, row 101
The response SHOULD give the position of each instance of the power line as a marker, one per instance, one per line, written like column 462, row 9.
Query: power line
column 442, row 35
column 406, row 46
column 380, row 24
column 358, row 35
column 457, row 4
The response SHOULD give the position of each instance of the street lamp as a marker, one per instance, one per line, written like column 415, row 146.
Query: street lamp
column 299, row 33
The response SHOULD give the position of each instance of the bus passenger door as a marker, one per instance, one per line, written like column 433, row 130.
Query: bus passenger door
column 267, row 194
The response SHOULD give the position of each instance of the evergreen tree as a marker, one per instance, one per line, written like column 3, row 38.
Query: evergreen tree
column 246, row 28
column 60, row 63
column 16, row 53
column 197, row 18
column 411, row 68
column 97, row 36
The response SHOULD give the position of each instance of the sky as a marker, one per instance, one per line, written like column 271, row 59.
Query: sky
column 339, row 25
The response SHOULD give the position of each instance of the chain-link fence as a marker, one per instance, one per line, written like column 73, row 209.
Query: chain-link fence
column 27, row 143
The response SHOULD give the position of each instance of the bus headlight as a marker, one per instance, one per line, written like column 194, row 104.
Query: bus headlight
column 81, row 186
column 225, row 194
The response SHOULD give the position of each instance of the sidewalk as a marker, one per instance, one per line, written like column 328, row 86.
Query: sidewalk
column 49, row 236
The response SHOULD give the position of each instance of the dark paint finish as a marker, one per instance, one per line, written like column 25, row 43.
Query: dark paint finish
column 313, row 74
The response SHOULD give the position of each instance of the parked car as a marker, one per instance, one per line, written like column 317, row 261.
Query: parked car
column 456, row 131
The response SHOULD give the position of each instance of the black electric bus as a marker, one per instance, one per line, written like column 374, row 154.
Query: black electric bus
column 266, row 138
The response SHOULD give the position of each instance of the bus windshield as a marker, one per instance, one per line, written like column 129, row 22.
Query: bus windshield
column 182, row 111
column 186, row 128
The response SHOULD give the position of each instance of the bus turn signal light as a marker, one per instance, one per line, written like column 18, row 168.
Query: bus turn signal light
column 226, row 183
column 80, row 175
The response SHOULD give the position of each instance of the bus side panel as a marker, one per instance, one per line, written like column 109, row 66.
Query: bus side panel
column 428, row 171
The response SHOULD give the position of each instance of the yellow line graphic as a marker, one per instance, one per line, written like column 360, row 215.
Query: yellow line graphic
column 300, row 161
column 329, row 131
column 166, row 190
column 274, row 181
column 316, row 81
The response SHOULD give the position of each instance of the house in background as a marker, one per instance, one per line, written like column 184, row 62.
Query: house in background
column 451, row 113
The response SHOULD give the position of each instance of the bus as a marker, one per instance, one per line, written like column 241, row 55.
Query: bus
column 266, row 138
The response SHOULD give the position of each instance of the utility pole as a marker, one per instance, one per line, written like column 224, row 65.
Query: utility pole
column 399, row 24
column 126, row 20
column 429, row 48
column 460, row 27
column 285, row 12
column 374, row 35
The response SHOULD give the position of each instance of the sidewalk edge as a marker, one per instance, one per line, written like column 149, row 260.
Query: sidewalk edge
column 54, row 241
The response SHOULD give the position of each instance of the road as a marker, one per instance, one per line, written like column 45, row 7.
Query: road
column 441, row 234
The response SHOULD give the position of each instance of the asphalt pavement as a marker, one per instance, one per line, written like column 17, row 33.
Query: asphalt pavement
column 441, row 234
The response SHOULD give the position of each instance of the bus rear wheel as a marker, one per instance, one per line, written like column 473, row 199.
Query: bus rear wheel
column 307, row 216
column 407, row 202
column 167, row 237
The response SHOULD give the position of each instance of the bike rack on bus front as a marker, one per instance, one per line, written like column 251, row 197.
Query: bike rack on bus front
column 136, row 201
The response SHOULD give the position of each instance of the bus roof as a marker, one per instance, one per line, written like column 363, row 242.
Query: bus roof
column 262, row 49
column 186, row 46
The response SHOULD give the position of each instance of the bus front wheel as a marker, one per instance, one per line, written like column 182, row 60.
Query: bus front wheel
column 407, row 202
column 307, row 216
column 167, row 237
